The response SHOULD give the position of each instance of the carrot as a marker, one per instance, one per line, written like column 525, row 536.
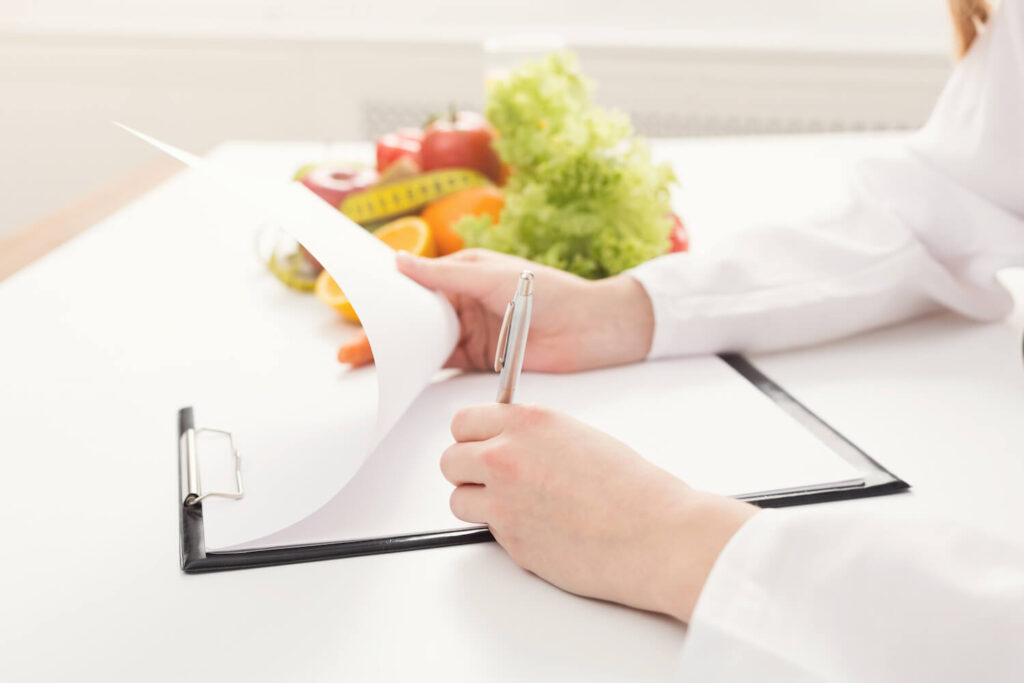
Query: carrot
column 356, row 351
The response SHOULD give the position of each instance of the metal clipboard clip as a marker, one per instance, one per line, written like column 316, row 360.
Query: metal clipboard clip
column 193, row 489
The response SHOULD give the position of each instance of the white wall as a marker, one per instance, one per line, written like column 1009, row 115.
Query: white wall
column 198, row 72
column 906, row 24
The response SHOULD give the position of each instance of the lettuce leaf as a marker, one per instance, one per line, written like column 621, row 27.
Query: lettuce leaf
column 584, row 195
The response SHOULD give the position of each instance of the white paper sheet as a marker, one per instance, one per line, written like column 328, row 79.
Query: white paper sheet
column 393, row 310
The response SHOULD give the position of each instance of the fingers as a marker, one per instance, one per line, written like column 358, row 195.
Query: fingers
column 478, row 331
column 356, row 351
column 478, row 423
column 469, row 503
column 471, row 272
column 463, row 463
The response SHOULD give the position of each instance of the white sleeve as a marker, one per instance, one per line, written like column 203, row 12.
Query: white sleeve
column 927, row 227
column 841, row 594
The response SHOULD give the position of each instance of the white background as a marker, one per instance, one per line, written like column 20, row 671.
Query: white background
column 197, row 72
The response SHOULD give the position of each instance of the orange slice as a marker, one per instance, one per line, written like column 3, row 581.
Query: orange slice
column 328, row 291
column 411, row 234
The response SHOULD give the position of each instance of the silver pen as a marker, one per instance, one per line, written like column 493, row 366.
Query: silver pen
column 508, row 357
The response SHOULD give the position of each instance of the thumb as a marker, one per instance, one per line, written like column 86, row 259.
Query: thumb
column 459, row 273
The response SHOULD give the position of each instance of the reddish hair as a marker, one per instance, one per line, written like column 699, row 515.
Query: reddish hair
column 968, row 16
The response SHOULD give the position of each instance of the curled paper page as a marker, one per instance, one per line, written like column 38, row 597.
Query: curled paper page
column 396, row 314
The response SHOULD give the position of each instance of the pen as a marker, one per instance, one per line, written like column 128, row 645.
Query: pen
column 508, row 357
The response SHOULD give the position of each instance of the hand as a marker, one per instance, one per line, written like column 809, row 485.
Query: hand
column 577, row 324
column 584, row 511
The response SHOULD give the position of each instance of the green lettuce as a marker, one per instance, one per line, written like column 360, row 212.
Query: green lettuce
column 584, row 195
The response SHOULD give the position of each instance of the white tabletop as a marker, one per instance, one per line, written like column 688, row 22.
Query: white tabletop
column 90, row 578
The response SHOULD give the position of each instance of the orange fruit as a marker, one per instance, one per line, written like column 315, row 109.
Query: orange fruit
column 409, row 234
column 328, row 291
column 443, row 214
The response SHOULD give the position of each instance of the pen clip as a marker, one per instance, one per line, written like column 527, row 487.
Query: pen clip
column 502, row 348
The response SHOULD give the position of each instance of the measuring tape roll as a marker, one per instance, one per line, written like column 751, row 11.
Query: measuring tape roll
column 396, row 199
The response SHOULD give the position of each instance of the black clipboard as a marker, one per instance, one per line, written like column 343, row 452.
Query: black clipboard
column 196, row 559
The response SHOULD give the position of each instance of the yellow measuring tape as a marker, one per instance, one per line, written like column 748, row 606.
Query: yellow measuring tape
column 403, row 196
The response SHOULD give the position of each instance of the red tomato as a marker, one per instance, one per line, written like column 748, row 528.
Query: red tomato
column 679, row 238
column 461, row 140
column 404, row 142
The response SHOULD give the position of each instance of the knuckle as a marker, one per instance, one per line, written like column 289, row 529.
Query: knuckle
column 494, row 455
column 530, row 416
column 470, row 255
column 501, row 461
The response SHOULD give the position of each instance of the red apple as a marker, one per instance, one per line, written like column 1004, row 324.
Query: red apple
column 462, row 140
column 404, row 143
column 334, row 182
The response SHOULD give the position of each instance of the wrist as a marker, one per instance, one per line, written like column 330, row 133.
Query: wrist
column 620, row 316
column 698, row 532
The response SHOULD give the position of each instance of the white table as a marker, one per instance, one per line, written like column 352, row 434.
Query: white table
column 90, row 582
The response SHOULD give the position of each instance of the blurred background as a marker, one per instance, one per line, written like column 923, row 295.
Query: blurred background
column 198, row 72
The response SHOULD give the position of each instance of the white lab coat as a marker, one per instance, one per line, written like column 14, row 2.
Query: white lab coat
column 841, row 593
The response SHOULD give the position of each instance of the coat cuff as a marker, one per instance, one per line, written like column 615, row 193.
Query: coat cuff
column 682, row 324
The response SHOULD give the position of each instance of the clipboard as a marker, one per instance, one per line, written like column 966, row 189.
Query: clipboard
column 877, row 481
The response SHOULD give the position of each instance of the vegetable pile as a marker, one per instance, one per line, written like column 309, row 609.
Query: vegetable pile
column 583, row 194
column 546, row 175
